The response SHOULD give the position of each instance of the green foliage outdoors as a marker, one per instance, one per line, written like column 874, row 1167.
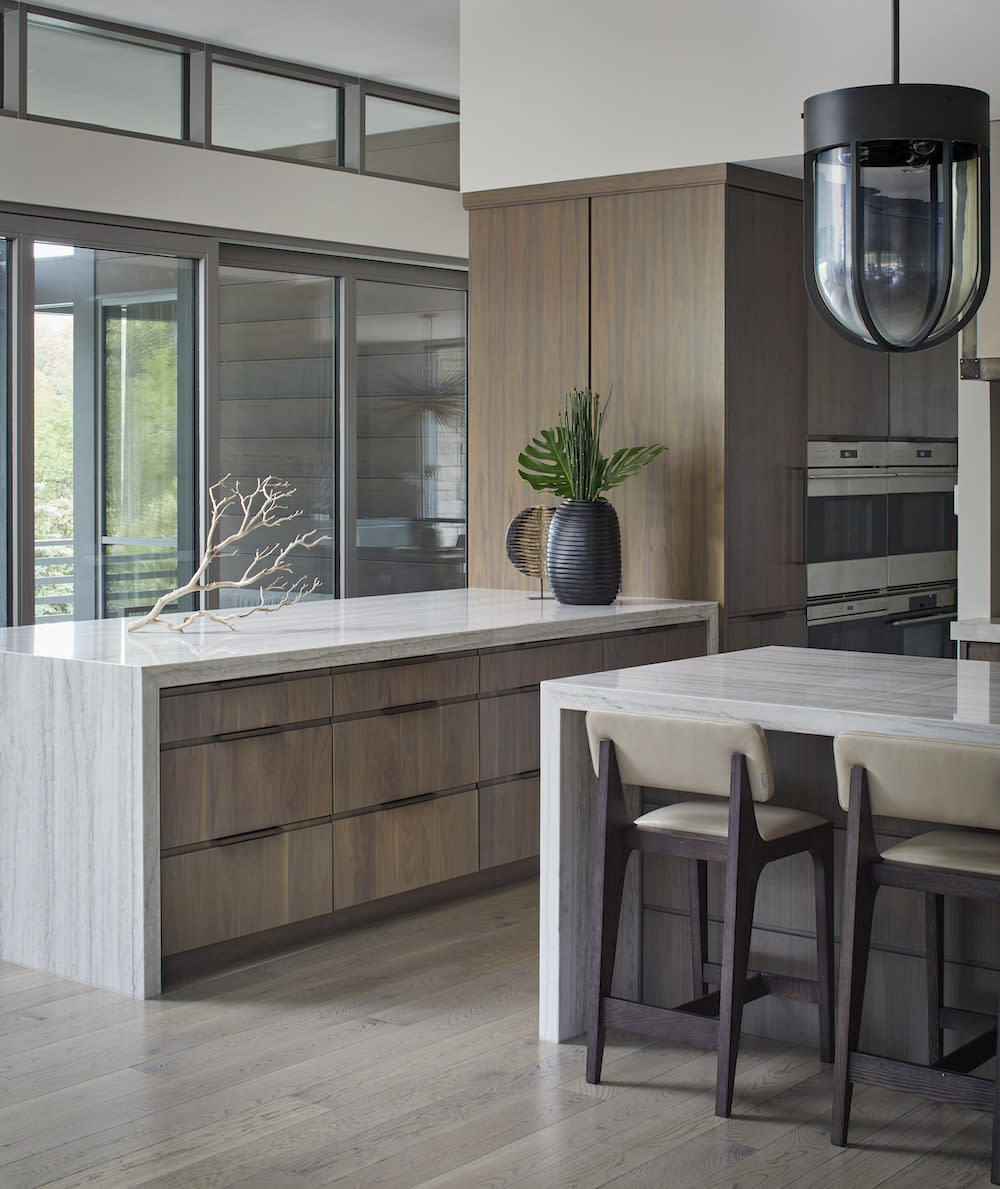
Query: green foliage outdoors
column 567, row 460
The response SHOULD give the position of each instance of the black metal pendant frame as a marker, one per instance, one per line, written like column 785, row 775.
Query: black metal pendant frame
column 903, row 112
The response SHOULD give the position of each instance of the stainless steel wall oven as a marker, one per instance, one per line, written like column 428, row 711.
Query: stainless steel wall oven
column 882, row 546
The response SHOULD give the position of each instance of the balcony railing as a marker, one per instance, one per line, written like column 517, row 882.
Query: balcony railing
column 135, row 572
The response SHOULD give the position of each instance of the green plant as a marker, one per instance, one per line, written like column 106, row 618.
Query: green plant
column 567, row 460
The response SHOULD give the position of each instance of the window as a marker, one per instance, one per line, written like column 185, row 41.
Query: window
column 406, row 140
column 280, row 116
column 113, row 378
column 410, row 446
column 90, row 76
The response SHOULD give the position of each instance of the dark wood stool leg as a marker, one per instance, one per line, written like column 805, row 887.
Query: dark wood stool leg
column 856, row 932
column 698, row 909
column 822, row 859
column 741, row 892
column 934, row 909
column 610, row 860
column 995, row 1158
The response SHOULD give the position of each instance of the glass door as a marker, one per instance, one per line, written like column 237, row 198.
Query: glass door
column 114, row 417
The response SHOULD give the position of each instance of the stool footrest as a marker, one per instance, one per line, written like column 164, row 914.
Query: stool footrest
column 972, row 1054
column 960, row 1019
column 664, row 1023
column 961, row 1089
column 786, row 986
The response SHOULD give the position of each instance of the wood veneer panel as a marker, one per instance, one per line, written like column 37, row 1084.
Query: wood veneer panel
column 379, row 686
column 407, row 846
column 980, row 651
column 392, row 756
column 658, row 340
column 847, row 384
column 765, row 404
column 508, row 735
column 508, row 822
column 654, row 645
column 787, row 628
column 528, row 345
column 512, row 668
column 923, row 393
column 236, row 786
column 230, row 891
column 220, row 710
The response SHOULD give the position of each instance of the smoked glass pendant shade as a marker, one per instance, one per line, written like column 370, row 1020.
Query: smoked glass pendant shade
column 896, row 198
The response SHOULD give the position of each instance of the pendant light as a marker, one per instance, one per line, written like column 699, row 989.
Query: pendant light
column 896, row 208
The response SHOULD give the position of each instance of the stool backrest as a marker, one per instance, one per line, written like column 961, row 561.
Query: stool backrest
column 931, row 780
column 690, row 755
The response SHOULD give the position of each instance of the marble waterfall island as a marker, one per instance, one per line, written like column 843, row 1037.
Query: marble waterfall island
column 80, row 751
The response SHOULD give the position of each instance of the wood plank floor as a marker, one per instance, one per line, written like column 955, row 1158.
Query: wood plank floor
column 405, row 1054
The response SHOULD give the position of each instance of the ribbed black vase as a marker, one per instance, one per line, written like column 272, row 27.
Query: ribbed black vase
column 584, row 553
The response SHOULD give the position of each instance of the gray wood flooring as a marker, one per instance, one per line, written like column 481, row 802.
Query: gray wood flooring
column 405, row 1054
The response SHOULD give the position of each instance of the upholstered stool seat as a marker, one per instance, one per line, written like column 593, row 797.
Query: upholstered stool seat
column 729, row 764
column 712, row 819
column 976, row 851
column 947, row 783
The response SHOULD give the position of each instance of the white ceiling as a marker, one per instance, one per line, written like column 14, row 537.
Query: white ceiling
column 411, row 43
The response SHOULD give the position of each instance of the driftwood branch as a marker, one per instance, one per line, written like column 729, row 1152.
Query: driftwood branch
column 270, row 569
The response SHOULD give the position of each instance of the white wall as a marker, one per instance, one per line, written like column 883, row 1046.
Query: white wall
column 49, row 165
column 560, row 89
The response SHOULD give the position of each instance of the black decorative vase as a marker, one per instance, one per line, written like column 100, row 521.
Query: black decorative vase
column 584, row 553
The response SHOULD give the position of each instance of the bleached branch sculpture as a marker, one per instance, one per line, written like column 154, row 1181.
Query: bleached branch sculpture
column 263, row 507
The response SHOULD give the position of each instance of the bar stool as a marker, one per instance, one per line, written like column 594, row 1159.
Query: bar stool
column 722, row 759
column 954, row 784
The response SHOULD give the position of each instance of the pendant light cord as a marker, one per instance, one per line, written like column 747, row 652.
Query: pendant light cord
column 895, row 42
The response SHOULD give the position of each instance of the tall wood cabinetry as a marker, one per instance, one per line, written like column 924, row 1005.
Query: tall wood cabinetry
column 858, row 393
column 680, row 293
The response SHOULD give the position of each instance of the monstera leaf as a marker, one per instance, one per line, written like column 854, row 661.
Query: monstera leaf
column 544, row 463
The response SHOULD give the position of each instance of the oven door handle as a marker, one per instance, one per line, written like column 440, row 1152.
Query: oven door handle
column 904, row 623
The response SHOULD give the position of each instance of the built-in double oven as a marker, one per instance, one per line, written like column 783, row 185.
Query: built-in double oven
column 882, row 546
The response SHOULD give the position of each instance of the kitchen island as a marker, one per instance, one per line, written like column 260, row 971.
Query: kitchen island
column 163, row 793
column 802, row 697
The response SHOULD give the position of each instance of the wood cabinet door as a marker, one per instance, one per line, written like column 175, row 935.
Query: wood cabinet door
column 529, row 664
column 653, row 645
column 529, row 331
column 757, row 631
column 848, row 384
column 223, row 892
column 392, row 756
column 508, row 822
column 249, row 706
column 765, row 404
column 405, row 847
column 236, row 786
column 923, row 393
column 509, row 736
column 379, row 687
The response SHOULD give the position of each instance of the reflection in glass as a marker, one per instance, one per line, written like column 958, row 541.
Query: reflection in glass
column 411, row 427
column 266, row 113
column 91, row 76
column 404, row 140
column 113, row 430
column 277, row 396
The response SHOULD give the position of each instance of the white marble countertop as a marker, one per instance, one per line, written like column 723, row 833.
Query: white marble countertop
column 326, row 632
column 809, row 690
column 982, row 631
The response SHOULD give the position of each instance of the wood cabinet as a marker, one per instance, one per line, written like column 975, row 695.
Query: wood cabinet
column 858, row 393
column 285, row 800
column 786, row 628
column 695, row 319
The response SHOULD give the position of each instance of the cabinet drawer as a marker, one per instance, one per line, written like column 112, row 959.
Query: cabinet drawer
column 508, row 735
column 197, row 714
column 409, row 846
column 508, row 822
column 629, row 649
column 229, row 891
column 380, row 686
column 528, row 665
column 391, row 756
column 235, row 786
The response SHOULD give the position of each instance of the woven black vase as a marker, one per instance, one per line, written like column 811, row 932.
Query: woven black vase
column 584, row 553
